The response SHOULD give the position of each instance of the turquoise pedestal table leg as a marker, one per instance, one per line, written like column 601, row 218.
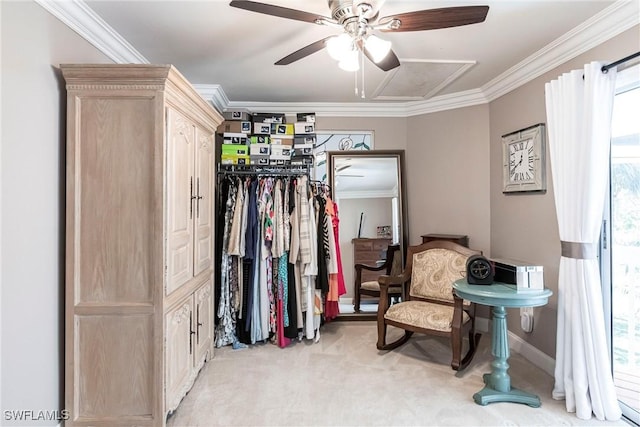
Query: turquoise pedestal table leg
column 498, row 383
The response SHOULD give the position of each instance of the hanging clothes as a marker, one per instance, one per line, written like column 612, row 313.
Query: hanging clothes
column 279, row 273
column 225, row 331
column 334, row 267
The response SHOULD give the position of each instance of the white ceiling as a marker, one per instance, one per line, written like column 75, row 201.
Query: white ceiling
column 212, row 43
column 229, row 54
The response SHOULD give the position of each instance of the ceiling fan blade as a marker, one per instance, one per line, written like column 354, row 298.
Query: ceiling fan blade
column 304, row 52
column 389, row 62
column 433, row 19
column 282, row 12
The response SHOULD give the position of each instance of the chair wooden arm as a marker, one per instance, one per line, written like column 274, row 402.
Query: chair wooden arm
column 385, row 282
column 400, row 280
column 370, row 267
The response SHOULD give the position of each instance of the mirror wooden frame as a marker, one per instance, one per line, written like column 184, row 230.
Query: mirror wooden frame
column 332, row 156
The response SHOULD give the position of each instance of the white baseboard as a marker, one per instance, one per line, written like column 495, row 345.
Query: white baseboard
column 345, row 300
column 532, row 354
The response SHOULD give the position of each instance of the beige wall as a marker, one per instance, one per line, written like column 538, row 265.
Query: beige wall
column 448, row 175
column 32, row 204
column 525, row 226
column 389, row 133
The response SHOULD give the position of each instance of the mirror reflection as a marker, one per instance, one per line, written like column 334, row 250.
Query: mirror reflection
column 367, row 187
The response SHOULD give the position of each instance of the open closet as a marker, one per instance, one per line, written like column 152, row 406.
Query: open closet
column 278, row 269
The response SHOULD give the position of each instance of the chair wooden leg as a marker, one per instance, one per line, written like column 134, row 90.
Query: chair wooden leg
column 356, row 302
column 382, row 345
column 456, row 348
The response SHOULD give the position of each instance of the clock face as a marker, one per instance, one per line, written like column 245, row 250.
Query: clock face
column 521, row 161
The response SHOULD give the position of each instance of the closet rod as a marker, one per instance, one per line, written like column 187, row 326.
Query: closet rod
column 605, row 68
column 281, row 173
column 263, row 170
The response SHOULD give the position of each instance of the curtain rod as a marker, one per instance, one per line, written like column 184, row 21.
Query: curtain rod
column 605, row 68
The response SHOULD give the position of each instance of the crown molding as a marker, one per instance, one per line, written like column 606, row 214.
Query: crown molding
column 361, row 109
column 213, row 94
column 610, row 22
column 450, row 101
column 76, row 15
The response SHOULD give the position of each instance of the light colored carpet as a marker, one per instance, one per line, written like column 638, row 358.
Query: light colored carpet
column 345, row 381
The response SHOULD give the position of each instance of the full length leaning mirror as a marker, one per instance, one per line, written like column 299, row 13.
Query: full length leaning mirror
column 368, row 189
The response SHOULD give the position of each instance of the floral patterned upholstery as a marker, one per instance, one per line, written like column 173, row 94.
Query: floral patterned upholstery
column 434, row 272
column 423, row 315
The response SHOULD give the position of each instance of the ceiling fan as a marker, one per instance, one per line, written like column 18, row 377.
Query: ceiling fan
column 359, row 21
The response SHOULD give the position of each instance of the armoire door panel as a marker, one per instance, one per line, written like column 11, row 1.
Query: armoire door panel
column 115, row 378
column 117, row 214
column 179, row 351
column 180, row 190
column 205, row 170
column 204, row 322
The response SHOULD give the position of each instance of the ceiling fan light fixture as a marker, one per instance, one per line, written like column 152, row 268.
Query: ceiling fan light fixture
column 377, row 48
column 339, row 46
column 350, row 61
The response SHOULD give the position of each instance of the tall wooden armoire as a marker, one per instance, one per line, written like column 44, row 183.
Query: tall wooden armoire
column 139, row 242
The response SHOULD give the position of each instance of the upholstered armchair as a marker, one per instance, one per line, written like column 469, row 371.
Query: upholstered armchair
column 391, row 267
column 429, row 305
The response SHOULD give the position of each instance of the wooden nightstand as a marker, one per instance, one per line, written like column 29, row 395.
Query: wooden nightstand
column 455, row 238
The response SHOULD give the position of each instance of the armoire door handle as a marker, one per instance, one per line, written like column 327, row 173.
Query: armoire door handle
column 198, row 324
column 192, row 197
column 198, row 197
column 191, row 332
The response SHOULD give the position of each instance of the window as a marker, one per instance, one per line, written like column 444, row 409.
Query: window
column 621, row 243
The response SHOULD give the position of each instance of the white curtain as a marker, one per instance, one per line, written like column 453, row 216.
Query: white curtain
column 579, row 123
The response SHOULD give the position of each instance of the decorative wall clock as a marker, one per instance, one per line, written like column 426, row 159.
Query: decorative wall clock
column 523, row 160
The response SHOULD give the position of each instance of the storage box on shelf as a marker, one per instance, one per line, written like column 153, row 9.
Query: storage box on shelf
column 269, row 118
column 235, row 127
column 306, row 117
column 237, row 115
column 271, row 140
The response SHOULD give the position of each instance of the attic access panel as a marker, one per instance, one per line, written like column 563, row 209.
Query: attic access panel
column 418, row 79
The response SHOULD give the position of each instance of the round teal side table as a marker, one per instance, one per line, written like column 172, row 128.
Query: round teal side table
column 501, row 296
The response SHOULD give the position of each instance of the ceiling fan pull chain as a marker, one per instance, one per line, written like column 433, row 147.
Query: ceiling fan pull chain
column 362, row 68
column 355, row 83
